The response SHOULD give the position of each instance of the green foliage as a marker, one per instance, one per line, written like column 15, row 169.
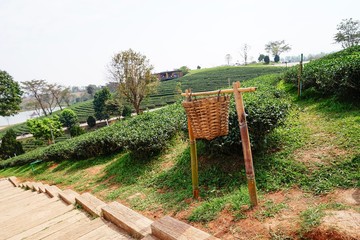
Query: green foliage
column 276, row 58
column 336, row 74
column 9, row 146
column 10, row 95
column 348, row 34
column 68, row 118
column 185, row 70
column 261, row 57
column 91, row 121
column 267, row 59
column 146, row 134
column 266, row 108
column 76, row 130
column 277, row 47
column 113, row 107
column 99, row 102
column 45, row 128
column 126, row 111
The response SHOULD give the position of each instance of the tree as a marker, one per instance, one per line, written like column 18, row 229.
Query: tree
column 132, row 71
column 68, row 118
column 228, row 58
column 348, row 34
column 99, row 102
column 277, row 47
column 267, row 59
column 276, row 58
column 9, row 146
column 10, row 95
column 114, row 107
column 46, row 128
column 91, row 121
column 261, row 57
column 91, row 89
column 198, row 67
column 185, row 70
column 35, row 88
column 244, row 52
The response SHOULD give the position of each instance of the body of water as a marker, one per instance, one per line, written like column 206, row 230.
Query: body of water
column 19, row 118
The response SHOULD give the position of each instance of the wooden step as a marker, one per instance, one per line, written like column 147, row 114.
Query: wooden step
column 90, row 203
column 150, row 237
column 14, row 181
column 168, row 228
column 68, row 196
column 132, row 222
column 52, row 191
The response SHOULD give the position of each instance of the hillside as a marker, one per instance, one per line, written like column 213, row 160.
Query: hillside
column 307, row 170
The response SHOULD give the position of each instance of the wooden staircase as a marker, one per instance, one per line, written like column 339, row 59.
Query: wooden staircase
column 32, row 210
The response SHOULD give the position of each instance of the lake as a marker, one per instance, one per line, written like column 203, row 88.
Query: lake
column 19, row 118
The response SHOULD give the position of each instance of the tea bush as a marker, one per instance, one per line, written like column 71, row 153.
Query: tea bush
column 335, row 74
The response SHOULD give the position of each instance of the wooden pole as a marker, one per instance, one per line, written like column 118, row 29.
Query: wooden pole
column 249, row 89
column 194, row 160
column 245, row 140
column 300, row 75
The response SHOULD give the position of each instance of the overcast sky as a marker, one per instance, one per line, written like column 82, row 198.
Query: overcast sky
column 70, row 42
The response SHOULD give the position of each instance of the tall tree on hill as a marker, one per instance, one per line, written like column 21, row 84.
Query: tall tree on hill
column 348, row 34
column 228, row 58
column 10, row 95
column 244, row 52
column 9, row 147
column 132, row 71
column 277, row 47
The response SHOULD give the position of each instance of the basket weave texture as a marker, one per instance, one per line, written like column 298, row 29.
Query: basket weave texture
column 209, row 117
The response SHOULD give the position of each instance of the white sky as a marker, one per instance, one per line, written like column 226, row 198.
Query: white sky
column 70, row 42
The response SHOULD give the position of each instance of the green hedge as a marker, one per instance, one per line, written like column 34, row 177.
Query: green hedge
column 147, row 134
column 266, row 108
column 335, row 74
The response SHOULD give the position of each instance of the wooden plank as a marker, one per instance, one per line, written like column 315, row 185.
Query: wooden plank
column 107, row 231
column 168, row 228
column 150, row 237
column 132, row 222
column 23, row 202
column 14, row 181
column 42, row 188
column 68, row 196
column 90, row 203
column 52, row 191
column 35, row 232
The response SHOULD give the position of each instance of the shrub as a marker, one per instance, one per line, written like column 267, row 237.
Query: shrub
column 126, row 111
column 335, row 74
column 76, row 130
column 68, row 118
column 9, row 146
column 276, row 58
column 91, row 121
column 267, row 59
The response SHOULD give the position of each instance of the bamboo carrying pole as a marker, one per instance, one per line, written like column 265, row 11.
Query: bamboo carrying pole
column 245, row 140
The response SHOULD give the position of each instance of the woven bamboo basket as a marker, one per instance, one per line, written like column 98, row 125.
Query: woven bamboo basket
column 209, row 117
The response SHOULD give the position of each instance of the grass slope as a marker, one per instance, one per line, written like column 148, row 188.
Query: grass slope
column 315, row 152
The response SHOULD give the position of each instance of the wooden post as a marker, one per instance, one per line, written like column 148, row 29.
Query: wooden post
column 245, row 140
column 194, row 160
column 300, row 75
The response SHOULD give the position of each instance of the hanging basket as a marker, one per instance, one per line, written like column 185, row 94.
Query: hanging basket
column 209, row 117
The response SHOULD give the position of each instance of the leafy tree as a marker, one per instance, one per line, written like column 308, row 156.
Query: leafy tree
column 9, row 146
column 91, row 89
column 114, row 107
column 277, row 47
column 261, row 57
column 91, row 121
column 267, row 59
column 35, row 89
column 348, row 34
column 126, row 111
column 68, row 118
column 228, row 58
column 10, row 95
column 99, row 102
column 46, row 128
column 185, row 70
column 198, row 67
column 276, row 58
column 133, row 73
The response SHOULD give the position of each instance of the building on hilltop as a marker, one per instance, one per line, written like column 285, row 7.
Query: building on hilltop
column 168, row 75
